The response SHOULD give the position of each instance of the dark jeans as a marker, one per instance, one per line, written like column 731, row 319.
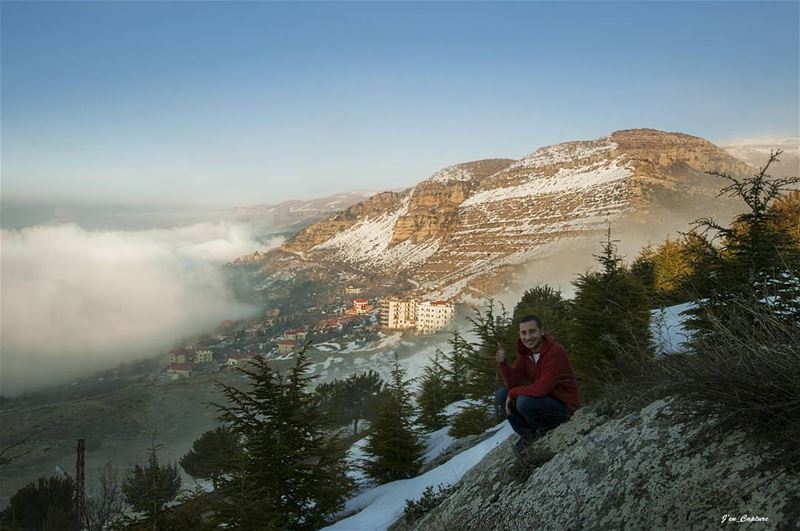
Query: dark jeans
column 532, row 415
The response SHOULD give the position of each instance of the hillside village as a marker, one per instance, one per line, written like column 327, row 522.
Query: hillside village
column 336, row 328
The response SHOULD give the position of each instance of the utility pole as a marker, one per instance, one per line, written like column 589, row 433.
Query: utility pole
column 80, row 480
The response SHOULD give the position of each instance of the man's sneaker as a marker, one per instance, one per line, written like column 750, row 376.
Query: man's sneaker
column 521, row 445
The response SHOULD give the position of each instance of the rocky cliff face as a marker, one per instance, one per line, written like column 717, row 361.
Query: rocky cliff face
column 433, row 206
column 648, row 470
column 470, row 226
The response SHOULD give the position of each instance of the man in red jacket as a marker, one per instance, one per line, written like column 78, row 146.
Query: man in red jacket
column 541, row 388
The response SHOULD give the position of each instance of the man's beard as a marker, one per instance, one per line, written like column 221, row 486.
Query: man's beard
column 535, row 347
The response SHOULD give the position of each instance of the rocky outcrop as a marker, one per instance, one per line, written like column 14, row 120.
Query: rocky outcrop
column 432, row 209
column 653, row 469
column 665, row 150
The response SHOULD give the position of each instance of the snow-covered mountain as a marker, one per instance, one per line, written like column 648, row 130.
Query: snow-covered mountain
column 469, row 228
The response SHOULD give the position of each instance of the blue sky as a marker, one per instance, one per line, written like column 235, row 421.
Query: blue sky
column 242, row 103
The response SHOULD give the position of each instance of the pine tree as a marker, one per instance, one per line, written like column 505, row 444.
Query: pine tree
column 290, row 474
column 46, row 505
column 433, row 394
column 455, row 366
column 758, row 258
column 611, row 312
column 351, row 400
column 150, row 488
column 785, row 217
column 663, row 270
column 394, row 444
column 483, row 378
column 212, row 454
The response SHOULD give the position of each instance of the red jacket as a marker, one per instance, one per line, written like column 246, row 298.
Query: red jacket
column 551, row 375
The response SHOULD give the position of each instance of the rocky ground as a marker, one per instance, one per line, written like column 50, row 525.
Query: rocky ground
column 654, row 469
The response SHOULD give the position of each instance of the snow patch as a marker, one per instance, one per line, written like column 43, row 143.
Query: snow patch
column 668, row 330
column 566, row 180
column 381, row 506
column 567, row 152
column 451, row 173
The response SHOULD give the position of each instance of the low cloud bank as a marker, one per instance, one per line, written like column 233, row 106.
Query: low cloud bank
column 76, row 301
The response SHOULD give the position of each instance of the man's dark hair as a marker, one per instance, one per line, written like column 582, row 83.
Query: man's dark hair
column 530, row 317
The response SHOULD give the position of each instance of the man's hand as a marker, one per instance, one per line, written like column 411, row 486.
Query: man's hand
column 501, row 354
column 508, row 405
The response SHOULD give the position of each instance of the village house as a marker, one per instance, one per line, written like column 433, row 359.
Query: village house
column 253, row 331
column 178, row 355
column 240, row 358
column 179, row 370
column 295, row 334
column 361, row 306
column 352, row 290
column 285, row 346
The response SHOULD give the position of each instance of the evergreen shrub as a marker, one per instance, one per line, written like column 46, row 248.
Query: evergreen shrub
column 471, row 420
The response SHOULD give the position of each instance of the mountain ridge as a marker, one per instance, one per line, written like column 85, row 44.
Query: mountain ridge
column 466, row 229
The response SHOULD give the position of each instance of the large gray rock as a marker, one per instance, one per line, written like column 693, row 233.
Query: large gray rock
column 653, row 469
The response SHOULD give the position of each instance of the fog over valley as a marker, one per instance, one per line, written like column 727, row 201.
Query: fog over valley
column 76, row 301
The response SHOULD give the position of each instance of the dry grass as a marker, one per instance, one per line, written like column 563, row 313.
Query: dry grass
column 746, row 372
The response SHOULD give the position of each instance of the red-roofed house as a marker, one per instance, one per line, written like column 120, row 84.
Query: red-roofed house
column 286, row 346
column 361, row 306
column 179, row 370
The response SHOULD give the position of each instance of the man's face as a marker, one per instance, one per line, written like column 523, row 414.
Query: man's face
column 530, row 334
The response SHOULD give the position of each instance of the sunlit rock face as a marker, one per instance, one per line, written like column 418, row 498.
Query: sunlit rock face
column 649, row 470
column 470, row 227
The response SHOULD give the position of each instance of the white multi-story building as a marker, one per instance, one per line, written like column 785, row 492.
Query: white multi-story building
column 203, row 355
column 433, row 316
column 398, row 314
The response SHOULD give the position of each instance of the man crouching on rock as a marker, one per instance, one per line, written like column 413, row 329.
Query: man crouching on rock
column 541, row 390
